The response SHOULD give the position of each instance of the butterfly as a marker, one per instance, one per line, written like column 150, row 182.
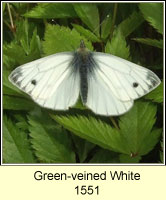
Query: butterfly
column 107, row 84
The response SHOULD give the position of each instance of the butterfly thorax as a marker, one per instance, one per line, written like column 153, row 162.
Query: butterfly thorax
column 84, row 63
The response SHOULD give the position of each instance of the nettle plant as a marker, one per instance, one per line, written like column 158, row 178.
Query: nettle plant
column 32, row 134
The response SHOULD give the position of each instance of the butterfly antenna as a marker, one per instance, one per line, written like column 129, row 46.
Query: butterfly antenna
column 101, row 23
column 82, row 44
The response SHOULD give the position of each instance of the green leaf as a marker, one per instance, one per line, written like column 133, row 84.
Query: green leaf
column 22, row 122
column 22, row 35
column 26, row 36
column 83, row 147
column 135, row 137
column 52, row 10
column 60, row 39
column 118, row 46
column 156, row 95
column 136, row 127
column 24, row 48
column 129, row 159
column 16, row 52
column 85, row 32
column 16, row 147
column 51, row 143
column 105, row 156
column 16, row 103
column 151, row 42
column 35, row 45
column 7, row 61
column 79, row 104
column 3, row 6
column 93, row 130
column 130, row 24
column 89, row 14
column 153, row 13
column 151, row 140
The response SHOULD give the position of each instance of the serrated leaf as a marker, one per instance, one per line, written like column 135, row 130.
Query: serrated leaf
column 153, row 13
column 151, row 42
column 118, row 46
column 94, row 131
column 51, row 11
column 23, row 49
column 16, row 52
column 89, row 14
column 136, row 127
column 26, row 36
column 85, row 32
column 22, row 122
column 130, row 24
column 17, row 103
column 7, row 61
column 16, row 147
column 60, row 39
column 51, row 143
column 156, row 95
column 22, row 35
column 135, row 136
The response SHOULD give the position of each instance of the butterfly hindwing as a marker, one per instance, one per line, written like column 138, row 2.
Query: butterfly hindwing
column 101, row 100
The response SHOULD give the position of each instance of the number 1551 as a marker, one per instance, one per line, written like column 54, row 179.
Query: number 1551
column 84, row 189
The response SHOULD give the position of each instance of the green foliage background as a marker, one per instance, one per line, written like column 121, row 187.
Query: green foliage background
column 32, row 134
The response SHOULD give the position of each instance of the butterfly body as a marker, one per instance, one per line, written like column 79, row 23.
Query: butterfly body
column 107, row 84
column 83, row 62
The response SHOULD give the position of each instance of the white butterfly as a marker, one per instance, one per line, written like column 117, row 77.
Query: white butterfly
column 107, row 84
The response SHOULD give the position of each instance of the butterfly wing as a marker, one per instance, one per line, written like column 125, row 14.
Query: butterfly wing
column 115, row 83
column 50, row 81
column 102, row 101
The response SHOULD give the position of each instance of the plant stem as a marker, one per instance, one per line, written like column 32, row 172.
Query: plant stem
column 11, row 19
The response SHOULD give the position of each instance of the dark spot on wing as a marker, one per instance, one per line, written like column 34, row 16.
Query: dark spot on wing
column 15, row 77
column 150, row 87
column 33, row 82
column 154, row 83
column 153, row 80
column 19, row 83
column 135, row 84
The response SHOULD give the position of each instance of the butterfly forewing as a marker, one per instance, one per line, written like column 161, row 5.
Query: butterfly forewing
column 50, row 81
column 126, row 80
